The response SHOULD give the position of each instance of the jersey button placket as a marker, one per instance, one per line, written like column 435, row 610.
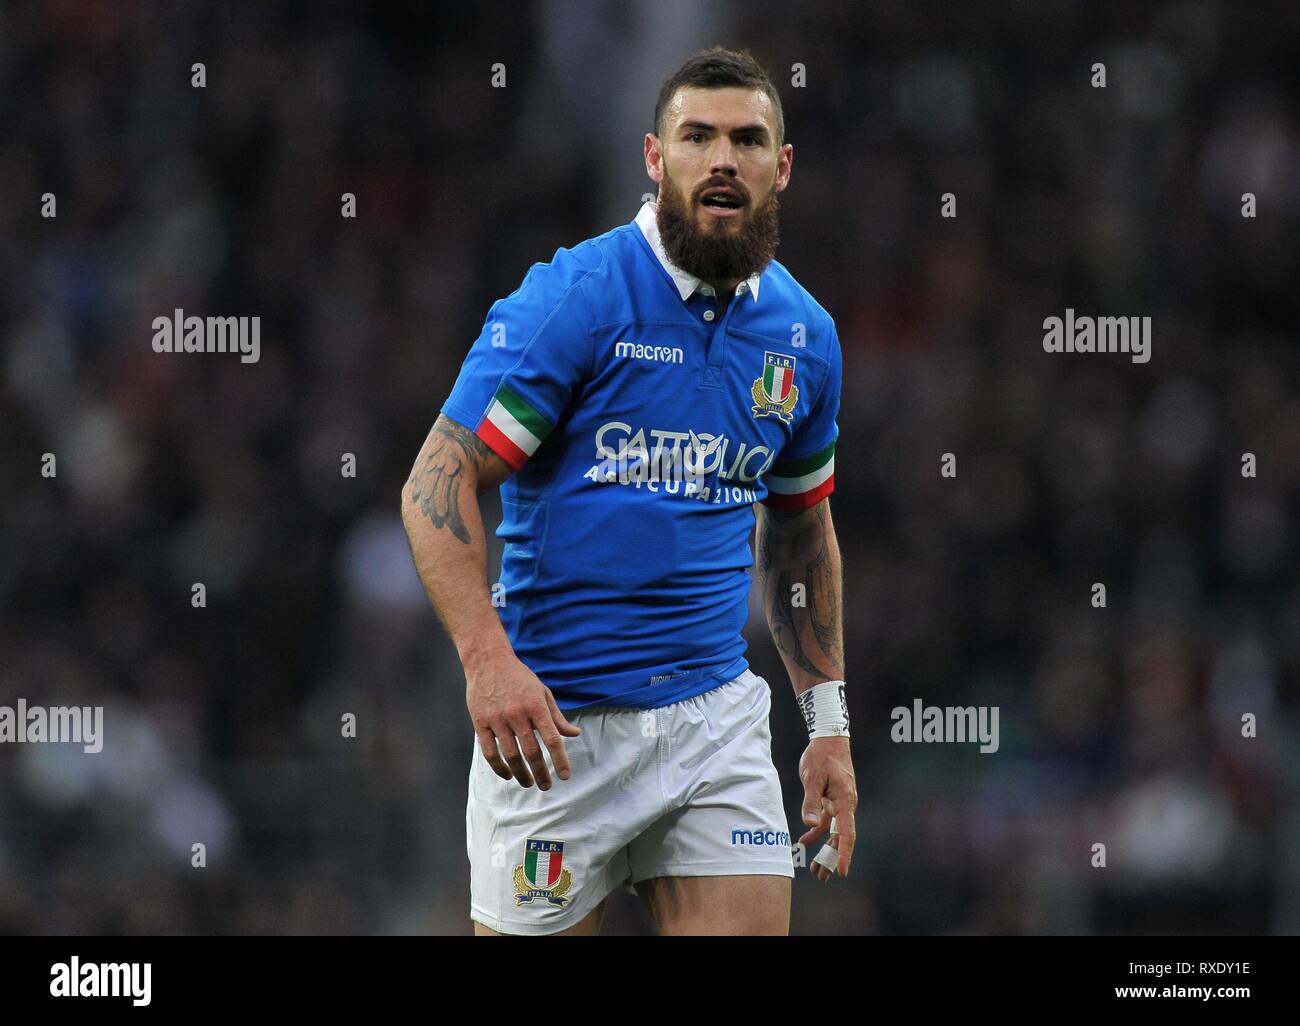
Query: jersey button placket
column 714, row 346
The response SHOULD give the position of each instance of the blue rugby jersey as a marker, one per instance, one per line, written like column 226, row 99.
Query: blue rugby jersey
column 642, row 425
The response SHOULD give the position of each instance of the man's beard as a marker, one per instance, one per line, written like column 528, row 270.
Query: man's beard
column 717, row 254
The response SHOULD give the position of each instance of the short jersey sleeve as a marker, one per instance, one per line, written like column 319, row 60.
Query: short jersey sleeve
column 804, row 472
column 522, row 370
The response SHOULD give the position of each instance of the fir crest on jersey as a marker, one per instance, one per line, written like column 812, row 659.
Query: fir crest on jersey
column 774, row 390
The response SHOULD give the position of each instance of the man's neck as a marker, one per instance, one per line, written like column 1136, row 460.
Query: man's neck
column 725, row 290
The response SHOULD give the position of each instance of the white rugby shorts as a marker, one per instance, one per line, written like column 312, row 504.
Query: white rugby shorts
column 685, row 790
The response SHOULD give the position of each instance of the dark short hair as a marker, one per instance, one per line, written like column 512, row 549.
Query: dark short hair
column 720, row 68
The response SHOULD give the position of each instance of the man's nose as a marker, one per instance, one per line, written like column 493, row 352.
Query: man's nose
column 722, row 158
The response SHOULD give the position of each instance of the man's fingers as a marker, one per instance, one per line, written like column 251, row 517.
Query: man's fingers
column 844, row 843
column 815, row 814
column 819, row 870
column 566, row 728
column 487, row 742
column 840, row 842
column 510, row 743
column 551, row 727
column 532, row 751
column 510, row 750
column 548, row 731
column 814, row 789
column 844, row 801
column 817, row 831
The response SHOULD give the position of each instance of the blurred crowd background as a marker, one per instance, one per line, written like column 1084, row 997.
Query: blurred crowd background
column 1119, row 725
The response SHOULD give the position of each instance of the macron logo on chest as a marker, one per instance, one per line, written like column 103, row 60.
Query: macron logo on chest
column 626, row 350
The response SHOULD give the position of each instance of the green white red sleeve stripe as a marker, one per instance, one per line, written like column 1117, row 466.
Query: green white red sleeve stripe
column 512, row 428
column 800, row 483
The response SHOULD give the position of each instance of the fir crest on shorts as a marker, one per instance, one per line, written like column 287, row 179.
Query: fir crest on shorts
column 542, row 873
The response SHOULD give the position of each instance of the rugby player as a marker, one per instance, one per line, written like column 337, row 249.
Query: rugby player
column 643, row 401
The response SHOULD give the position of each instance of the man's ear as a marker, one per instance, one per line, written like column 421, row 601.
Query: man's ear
column 784, row 166
column 654, row 161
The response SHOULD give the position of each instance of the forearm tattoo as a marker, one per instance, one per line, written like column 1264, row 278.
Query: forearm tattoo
column 792, row 551
column 436, row 482
column 825, row 603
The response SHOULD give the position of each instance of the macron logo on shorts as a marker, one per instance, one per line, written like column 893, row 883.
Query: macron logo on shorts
column 760, row 837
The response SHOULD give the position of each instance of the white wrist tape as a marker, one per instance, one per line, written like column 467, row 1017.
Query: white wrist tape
column 825, row 710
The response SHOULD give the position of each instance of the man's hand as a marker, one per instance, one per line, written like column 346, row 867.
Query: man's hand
column 507, row 703
column 829, row 789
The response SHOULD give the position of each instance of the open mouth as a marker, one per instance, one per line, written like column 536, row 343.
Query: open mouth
column 722, row 199
column 722, row 202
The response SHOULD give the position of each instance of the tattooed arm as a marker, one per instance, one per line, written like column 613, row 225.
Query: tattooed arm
column 452, row 457
column 447, row 536
column 800, row 549
column 506, row 701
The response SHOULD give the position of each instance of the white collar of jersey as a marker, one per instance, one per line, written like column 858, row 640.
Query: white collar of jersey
column 686, row 282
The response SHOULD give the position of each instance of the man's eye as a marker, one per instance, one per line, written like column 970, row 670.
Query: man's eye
column 749, row 139
column 694, row 135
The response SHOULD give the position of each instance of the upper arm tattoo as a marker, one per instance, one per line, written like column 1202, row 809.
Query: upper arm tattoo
column 451, row 451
